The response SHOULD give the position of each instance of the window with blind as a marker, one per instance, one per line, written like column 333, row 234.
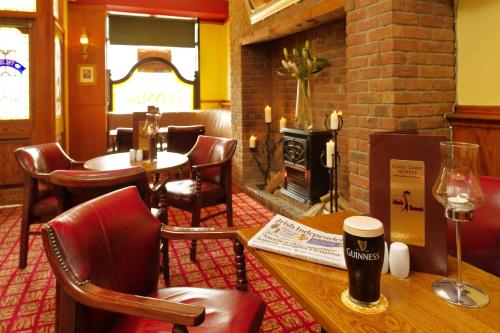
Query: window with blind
column 135, row 38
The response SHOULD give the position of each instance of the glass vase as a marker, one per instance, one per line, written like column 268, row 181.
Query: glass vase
column 303, row 112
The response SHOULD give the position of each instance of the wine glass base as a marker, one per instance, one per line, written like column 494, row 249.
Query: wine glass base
column 466, row 295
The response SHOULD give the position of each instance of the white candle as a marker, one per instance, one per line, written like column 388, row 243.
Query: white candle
column 267, row 114
column 282, row 123
column 334, row 120
column 330, row 149
column 251, row 141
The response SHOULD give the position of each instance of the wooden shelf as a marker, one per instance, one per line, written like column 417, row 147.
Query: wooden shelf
column 295, row 19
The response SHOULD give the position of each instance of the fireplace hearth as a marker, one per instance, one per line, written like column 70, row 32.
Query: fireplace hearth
column 305, row 178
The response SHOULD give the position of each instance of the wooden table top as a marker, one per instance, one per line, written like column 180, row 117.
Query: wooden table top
column 413, row 306
column 165, row 161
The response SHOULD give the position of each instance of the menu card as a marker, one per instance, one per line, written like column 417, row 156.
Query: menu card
column 403, row 169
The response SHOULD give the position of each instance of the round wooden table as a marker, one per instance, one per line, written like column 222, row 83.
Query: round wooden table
column 165, row 162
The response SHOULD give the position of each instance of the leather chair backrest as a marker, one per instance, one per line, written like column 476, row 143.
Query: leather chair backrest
column 481, row 236
column 73, row 187
column 181, row 139
column 217, row 122
column 114, row 242
column 43, row 158
column 209, row 149
column 124, row 139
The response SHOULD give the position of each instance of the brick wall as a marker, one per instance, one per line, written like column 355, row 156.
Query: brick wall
column 400, row 75
column 392, row 69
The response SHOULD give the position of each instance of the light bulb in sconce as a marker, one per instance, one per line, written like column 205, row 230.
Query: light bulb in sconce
column 84, row 42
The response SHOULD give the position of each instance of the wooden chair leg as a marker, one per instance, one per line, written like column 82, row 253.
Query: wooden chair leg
column 165, row 262
column 195, row 222
column 229, row 210
column 23, row 243
column 165, row 253
column 241, row 270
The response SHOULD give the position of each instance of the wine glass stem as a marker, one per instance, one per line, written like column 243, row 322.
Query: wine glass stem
column 459, row 254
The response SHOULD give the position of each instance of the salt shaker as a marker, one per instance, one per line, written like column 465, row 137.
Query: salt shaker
column 139, row 155
column 399, row 260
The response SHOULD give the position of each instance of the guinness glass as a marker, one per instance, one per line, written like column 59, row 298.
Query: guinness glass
column 364, row 257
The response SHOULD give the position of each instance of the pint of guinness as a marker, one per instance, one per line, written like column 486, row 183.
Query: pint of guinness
column 364, row 257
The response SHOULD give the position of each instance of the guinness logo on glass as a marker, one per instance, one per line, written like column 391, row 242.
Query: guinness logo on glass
column 362, row 245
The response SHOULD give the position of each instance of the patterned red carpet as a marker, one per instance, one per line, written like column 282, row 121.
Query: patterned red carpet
column 27, row 300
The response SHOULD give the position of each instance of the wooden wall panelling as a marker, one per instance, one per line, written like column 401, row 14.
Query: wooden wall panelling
column 87, row 103
column 11, row 173
column 481, row 125
column 43, row 65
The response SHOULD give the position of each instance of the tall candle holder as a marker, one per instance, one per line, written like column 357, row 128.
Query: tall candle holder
column 333, row 169
column 269, row 150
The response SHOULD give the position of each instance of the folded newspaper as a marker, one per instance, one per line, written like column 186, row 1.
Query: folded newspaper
column 284, row 236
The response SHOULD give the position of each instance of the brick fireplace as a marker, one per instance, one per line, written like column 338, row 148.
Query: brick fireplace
column 392, row 68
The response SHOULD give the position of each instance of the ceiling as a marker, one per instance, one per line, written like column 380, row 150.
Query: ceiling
column 207, row 10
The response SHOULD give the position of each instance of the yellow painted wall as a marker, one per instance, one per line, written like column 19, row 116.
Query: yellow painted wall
column 214, row 64
column 478, row 54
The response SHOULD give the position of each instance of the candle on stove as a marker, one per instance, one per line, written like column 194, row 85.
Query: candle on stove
column 267, row 114
column 330, row 150
column 251, row 141
column 334, row 120
column 282, row 123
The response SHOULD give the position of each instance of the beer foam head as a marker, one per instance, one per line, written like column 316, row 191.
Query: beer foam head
column 363, row 226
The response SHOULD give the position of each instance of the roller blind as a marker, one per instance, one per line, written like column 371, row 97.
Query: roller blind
column 134, row 30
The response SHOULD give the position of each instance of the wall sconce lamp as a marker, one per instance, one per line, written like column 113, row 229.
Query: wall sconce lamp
column 84, row 42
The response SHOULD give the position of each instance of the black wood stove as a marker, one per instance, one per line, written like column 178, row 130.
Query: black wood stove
column 306, row 180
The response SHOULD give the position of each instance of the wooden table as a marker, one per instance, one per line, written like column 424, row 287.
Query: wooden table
column 165, row 162
column 413, row 306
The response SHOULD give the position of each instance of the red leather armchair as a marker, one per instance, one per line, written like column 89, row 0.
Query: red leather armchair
column 104, row 254
column 39, row 203
column 181, row 139
column 481, row 236
column 210, row 185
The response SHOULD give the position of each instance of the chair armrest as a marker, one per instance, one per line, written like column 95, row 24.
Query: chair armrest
column 77, row 165
column 168, row 232
column 146, row 307
column 210, row 165
column 39, row 175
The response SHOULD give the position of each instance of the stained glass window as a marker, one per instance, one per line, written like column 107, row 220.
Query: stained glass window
column 14, row 74
column 18, row 5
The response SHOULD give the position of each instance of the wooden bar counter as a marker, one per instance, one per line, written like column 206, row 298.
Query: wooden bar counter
column 413, row 306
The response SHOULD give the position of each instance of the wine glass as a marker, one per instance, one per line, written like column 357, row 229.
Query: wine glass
column 457, row 188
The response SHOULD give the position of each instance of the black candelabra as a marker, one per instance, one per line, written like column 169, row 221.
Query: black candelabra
column 335, row 162
column 269, row 150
